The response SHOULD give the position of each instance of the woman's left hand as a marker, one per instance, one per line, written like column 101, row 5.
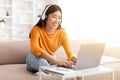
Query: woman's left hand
column 74, row 59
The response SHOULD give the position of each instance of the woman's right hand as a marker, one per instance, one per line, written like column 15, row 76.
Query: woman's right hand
column 50, row 58
column 65, row 63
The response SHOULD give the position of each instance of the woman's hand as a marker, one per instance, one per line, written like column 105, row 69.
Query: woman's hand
column 50, row 58
column 65, row 63
column 74, row 59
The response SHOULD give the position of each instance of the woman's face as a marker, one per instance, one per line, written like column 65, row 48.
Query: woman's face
column 54, row 20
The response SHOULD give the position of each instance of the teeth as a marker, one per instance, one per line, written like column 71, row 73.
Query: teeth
column 55, row 24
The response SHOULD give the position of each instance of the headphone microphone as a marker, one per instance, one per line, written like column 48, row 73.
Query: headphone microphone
column 43, row 14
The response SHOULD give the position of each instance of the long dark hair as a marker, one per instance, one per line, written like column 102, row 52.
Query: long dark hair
column 53, row 8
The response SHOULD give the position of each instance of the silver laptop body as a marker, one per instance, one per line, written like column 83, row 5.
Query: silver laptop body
column 89, row 55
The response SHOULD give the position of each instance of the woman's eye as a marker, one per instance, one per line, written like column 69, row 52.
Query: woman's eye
column 54, row 16
column 57, row 17
column 60, row 18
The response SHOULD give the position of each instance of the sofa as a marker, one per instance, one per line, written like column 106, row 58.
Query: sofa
column 13, row 66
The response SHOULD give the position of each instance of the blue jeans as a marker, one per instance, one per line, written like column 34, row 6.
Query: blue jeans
column 34, row 62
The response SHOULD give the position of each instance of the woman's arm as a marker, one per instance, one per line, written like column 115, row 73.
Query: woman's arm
column 67, row 47
column 50, row 58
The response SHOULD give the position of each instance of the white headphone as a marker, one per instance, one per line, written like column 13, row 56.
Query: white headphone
column 43, row 14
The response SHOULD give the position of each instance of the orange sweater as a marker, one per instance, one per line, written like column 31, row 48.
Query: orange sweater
column 42, row 42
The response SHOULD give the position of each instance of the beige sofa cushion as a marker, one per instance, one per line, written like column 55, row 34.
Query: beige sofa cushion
column 19, row 72
column 15, row 72
column 13, row 51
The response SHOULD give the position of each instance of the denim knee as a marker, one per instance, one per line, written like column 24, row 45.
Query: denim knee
column 33, row 62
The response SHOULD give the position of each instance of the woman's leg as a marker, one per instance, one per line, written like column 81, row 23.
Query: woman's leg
column 33, row 63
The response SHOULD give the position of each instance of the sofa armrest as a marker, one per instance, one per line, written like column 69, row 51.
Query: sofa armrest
column 13, row 51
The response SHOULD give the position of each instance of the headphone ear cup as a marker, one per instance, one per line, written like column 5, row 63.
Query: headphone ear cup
column 46, row 17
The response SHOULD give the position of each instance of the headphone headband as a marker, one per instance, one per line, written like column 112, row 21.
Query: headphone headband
column 43, row 14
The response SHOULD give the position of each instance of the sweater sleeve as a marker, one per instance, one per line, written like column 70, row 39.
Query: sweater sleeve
column 67, row 47
column 34, row 41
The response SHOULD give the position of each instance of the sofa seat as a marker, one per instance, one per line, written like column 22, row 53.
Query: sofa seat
column 19, row 72
column 15, row 71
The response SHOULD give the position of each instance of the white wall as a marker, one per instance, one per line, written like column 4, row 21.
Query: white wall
column 92, row 19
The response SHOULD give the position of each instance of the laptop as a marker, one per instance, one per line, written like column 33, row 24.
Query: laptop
column 89, row 56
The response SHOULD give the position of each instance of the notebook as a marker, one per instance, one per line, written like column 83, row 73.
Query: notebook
column 89, row 56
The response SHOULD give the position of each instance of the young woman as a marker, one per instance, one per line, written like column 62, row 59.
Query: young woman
column 45, row 38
